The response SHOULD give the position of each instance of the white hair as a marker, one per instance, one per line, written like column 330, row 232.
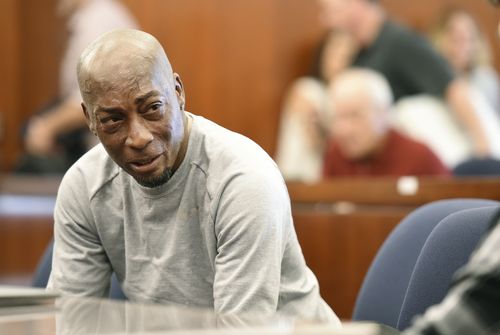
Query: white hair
column 365, row 80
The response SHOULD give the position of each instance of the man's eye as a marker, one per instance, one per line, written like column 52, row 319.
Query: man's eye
column 110, row 120
column 110, row 124
column 154, row 111
column 154, row 108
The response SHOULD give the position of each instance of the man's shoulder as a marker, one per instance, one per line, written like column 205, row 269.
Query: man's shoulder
column 222, row 145
column 92, row 171
column 413, row 157
column 397, row 29
column 392, row 41
column 406, row 144
column 396, row 34
column 225, row 155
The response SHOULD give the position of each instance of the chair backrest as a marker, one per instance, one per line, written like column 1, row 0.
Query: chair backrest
column 478, row 167
column 42, row 274
column 447, row 249
column 386, row 282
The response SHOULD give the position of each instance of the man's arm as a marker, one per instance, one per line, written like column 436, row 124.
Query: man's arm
column 251, row 224
column 471, row 307
column 259, row 266
column 43, row 130
column 459, row 99
column 80, row 265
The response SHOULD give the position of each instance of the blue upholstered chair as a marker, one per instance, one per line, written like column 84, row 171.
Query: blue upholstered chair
column 384, row 291
column 447, row 249
column 42, row 274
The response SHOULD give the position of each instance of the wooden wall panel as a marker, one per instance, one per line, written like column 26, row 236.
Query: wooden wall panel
column 31, row 39
column 43, row 36
column 235, row 57
column 10, row 76
column 23, row 241
column 340, row 248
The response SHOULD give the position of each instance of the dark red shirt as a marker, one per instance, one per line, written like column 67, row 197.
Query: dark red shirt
column 400, row 156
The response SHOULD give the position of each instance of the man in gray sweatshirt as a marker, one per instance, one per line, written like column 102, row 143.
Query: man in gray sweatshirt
column 181, row 209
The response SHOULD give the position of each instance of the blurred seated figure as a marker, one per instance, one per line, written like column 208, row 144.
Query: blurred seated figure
column 57, row 135
column 302, row 133
column 459, row 39
column 408, row 61
column 478, row 167
column 427, row 119
column 362, row 140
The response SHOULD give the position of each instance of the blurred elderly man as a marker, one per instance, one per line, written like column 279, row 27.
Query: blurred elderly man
column 362, row 140
column 409, row 62
column 181, row 209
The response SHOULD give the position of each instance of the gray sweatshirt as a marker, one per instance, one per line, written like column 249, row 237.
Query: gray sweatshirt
column 218, row 234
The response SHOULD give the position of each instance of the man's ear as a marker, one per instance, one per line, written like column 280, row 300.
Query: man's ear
column 88, row 119
column 179, row 91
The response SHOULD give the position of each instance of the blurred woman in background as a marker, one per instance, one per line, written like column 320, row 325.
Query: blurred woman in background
column 459, row 39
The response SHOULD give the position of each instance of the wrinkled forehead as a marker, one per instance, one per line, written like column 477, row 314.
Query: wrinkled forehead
column 125, row 74
column 124, row 85
column 116, row 70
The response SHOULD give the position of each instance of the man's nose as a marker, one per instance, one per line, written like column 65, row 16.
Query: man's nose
column 139, row 135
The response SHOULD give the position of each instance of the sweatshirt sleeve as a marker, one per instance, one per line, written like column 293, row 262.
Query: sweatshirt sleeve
column 252, row 223
column 80, row 265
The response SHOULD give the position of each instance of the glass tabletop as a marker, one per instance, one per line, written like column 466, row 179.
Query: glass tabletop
column 72, row 315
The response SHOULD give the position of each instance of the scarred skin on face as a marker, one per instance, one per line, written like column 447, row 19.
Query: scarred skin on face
column 134, row 103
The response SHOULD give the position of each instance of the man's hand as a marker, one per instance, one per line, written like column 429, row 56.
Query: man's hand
column 40, row 139
column 481, row 147
column 43, row 130
column 459, row 98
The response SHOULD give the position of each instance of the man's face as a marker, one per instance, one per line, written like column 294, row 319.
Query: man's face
column 337, row 14
column 67, row 7
column 357, row 124
column 141, row 125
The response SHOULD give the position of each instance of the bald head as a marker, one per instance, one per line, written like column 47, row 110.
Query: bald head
column 120, row 58
column 135, row 104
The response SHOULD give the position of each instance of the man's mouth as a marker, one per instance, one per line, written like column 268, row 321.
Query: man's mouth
column 144, row 165
column 144, row 162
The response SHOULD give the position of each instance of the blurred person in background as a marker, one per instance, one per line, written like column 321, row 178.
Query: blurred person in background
column 408, row 61
column 457, row 36
column 57, row 136
column 362, row 140
column 302, row 134
column 472, row 303
column 459, row 39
